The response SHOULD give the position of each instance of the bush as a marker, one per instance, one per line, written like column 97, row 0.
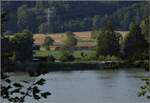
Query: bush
column 108, row 58
column 50, row 58
column 67, row 56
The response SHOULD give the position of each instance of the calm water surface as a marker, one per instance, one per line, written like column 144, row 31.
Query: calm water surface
column 103, row 86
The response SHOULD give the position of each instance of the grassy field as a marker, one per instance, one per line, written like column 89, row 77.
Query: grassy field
column 76, row 53
column 57, row 54
column 91, row 42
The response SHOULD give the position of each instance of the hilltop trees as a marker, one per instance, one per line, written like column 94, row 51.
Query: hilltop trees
column 26, row 18
column 107, row 42
column 135, row 43
column 43, row 28
column 71, row 16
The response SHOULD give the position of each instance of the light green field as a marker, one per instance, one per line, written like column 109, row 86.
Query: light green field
column 57, row 54
column 76, row 53
column 91, row 42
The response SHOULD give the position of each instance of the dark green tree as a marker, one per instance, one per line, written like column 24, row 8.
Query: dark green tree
column 23, row 45
column 145, row 27
column 108, row 42
column 70, row 39
column 26, row 18
column 48, row 41
column 10, row 90
column 135, row 43
column 96, row 21
column 43, row 28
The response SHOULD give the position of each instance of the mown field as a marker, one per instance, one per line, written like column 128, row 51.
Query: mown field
column 57, row 54
column 90, row 42
column 76, row 53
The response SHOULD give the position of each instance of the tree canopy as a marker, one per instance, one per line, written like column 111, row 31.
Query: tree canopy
column 107, row 42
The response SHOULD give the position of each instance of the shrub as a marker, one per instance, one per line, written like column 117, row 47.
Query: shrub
column 108, row 58
column 50, row 58
column 66, row 56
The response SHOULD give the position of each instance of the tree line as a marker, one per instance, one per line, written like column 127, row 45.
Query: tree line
column 53, row 16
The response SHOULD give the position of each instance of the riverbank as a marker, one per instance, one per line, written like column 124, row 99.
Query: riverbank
column 44, row 67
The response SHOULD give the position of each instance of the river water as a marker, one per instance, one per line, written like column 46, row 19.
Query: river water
column 99, row 86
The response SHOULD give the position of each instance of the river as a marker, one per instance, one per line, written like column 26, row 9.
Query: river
column 99, row 86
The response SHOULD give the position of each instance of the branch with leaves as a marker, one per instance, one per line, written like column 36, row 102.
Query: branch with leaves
column 145, row 88
column 11, row 90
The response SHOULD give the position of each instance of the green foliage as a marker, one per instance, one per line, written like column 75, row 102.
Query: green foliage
column 95, row 33
column 51, row 58
column 3, row 20
column 7, row 53
column 145, row 28
column 107, row 42
column 23, row 45
column 108, row 58
column 69, row 15
column 66, row 55
column 70, row 40
column 47, row 42
column 43, row 28
column 135, row 43
column 11, row 90
column 26, row 18
column 145, row 88
column 96, row 21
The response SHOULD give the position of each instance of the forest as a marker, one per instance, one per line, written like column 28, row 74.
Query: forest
column 53, row 17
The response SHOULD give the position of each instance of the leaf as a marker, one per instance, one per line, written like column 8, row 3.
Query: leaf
column 22, row 93
column 40, row 82
column 35, row 90
column 45, row 94
column 25, row 81
column 8, row 87
column 8, row 80
column 15, row 91
column 17, row 85
column 36, row 97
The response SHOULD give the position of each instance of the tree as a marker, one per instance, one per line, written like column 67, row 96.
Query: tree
column 23, row 45
column 3, row 20
column 43, row 28
column 145, row 28
column 48, row 41
column 7, row 53
column 94, row 33
column 67, row 55
column 7, row 50
column 145, row 88
column 26, row 18
column 16, row 92
column 135, row 42
column 96, row 21
column 70, row 39
column 107, row 42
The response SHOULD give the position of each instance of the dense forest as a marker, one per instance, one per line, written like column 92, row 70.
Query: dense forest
column 53, row 16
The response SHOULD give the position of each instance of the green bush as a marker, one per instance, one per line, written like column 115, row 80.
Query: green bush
column 108, row 58
column 66, row 56
column 51, row 58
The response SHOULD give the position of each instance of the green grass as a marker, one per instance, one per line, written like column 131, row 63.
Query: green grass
column 57, row 54
column 86, row 42
column 77, row 53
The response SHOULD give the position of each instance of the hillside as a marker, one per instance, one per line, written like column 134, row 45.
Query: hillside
column 53, row 16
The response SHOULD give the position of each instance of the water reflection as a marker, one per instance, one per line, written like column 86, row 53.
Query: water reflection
column 103, row 86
